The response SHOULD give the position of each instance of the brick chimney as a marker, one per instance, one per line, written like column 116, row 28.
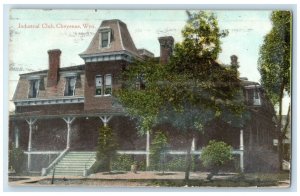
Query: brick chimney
column 54, row 63
column 234, row 61
column 166, row 48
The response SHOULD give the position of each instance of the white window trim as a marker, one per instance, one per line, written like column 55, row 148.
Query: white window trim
column 38, row 88
column 104, row 30
column 67, row 79
column 256, row 101
column 104, row 85
column 99, row 75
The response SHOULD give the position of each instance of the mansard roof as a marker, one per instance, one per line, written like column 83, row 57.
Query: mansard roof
column 62, row 69
column 121, row 40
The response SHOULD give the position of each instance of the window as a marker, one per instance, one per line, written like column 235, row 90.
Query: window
column 33, row 88
column 70, row 86
column 107, row 84
column 253, row 97
column 104, row 39
column 99, row 84
column 256, row 98
column 103, row 87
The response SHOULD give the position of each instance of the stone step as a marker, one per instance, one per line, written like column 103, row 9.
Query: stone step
column 70, row 169
column 66, row 174
column 81, row 153
column 79, row 159
column 71, row 166
column 77, row 163
column 74, row 163
column 86, row 155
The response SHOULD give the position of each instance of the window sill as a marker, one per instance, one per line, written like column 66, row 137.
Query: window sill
column 102, row 95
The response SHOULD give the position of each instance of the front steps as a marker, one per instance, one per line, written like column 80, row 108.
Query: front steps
column 74, row 163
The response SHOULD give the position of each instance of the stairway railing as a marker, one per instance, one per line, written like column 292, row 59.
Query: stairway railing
column 45, row 171
column 87, row 170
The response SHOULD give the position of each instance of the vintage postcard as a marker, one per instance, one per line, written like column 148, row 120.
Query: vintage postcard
column 150, row 98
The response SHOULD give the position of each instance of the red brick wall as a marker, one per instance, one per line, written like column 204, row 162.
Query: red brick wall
column 166, row 48
column 93, row 102
column 54, row 63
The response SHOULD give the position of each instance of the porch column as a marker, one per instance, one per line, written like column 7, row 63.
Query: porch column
column 147, row 149
column 69, row 121
column 193, row 147
column 17, row 133
column 105, row 119
column 30, row 122
column 242, row 150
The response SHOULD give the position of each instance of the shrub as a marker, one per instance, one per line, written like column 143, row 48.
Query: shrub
column 16, row 159
column 122, row 162
column 215, row 155
column 157, row 151
column 106, row 149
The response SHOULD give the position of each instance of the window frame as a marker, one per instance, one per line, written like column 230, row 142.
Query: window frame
column 67, row 84
column 107, row 86
column 109, row 35
column 101, row 87
column 32, row 84
column 253, row 97
column 104, row 86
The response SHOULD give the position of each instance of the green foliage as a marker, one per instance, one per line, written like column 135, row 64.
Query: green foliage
column 106, row 149
column 274, row 65
column 178, row 163
column 142, row 104
column 157, row 151
column 189, row 91
column 16, row 159
column 201, row 43
column 274, row 62
column 122, row 163
column 215, row 155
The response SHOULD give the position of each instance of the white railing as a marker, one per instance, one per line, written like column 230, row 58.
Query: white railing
column 87, row 171
column 43, row 152
column 46, row 170
column 172, row 152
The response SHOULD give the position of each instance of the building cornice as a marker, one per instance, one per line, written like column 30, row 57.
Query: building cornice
column 109, row 56
column 34, row 101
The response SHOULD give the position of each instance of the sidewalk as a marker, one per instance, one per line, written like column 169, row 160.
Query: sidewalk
column 146, row 175
column 156, row 175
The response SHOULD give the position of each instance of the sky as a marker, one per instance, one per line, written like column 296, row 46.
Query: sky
column 34, row 32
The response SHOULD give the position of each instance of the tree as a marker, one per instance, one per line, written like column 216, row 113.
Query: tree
column 157, row 150
column 215, row 155
column 106, row 149
column 274, row 65
column 188, row 92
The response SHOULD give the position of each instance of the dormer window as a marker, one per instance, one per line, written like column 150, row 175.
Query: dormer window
column 256, row 98
column 105, row 37
column 253, row 96
column 33, row 88
column 70, row 86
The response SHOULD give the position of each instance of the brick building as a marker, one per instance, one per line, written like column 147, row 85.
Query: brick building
column 58, row 111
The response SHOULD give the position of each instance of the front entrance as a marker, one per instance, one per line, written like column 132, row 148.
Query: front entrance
column 84, row 134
